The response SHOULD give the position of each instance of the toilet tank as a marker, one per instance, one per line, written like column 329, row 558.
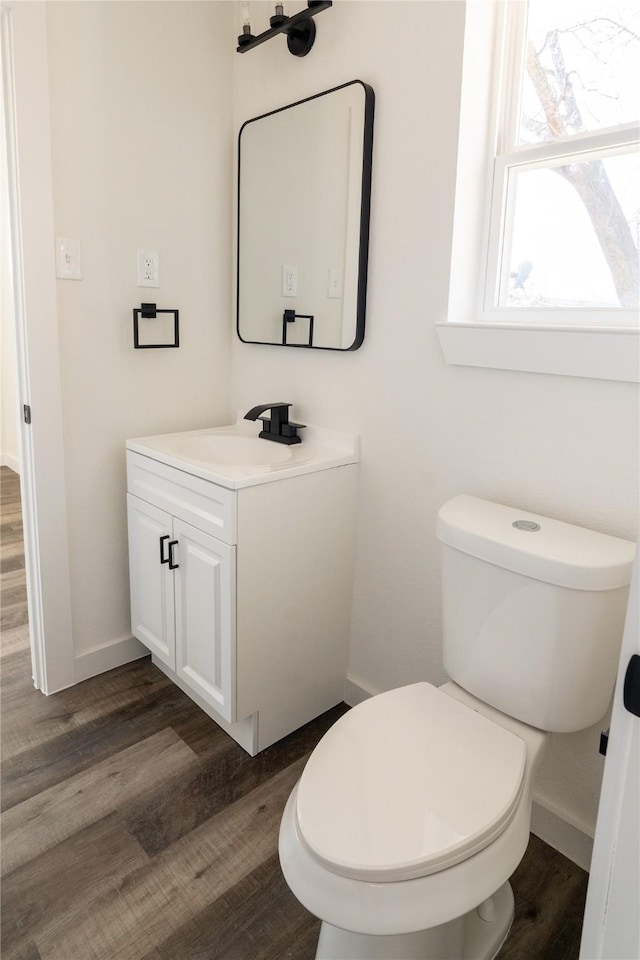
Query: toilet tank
column 533, row 611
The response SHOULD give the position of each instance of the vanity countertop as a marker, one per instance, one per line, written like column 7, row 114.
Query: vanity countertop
column 234, row 457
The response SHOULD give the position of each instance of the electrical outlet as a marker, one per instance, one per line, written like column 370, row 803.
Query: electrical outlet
column 289, row 281
column 334, row 285
column 148, row 268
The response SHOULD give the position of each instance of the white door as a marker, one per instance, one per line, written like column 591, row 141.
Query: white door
column 152, row 594
column 205, row 617
column 611, row 928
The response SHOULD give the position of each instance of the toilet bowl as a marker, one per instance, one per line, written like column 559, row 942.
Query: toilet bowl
column 414, row 809
column 411, row 814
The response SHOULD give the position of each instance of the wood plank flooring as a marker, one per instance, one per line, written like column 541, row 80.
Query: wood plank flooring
column 133, row 828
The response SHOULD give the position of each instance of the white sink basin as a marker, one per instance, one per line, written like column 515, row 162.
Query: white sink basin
column 234, row 456
column 221, row 449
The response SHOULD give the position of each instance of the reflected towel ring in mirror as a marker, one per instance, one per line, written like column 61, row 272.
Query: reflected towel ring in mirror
column 303, row 251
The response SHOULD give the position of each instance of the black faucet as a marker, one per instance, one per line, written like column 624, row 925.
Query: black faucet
column 276, row 427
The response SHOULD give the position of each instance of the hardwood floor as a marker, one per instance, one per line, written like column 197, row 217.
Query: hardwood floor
column 134, row 829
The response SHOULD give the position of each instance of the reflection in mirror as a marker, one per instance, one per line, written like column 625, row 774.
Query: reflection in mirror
column 304, row 186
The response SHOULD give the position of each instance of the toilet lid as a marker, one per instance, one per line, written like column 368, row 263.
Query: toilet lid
column 406, row 784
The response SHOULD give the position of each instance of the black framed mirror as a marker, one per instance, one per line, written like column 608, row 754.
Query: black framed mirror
column 304, row 196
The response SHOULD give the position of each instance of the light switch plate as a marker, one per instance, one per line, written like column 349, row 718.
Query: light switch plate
column 68, row 266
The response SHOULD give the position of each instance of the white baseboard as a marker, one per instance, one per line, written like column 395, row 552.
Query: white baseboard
column 106, row 657
column 547, row 824
column 565, row 837
column 7, row 460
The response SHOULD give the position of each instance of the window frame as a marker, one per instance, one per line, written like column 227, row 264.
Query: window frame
column 598, row 343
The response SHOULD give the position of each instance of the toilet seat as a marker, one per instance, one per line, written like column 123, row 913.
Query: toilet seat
column 407, row 784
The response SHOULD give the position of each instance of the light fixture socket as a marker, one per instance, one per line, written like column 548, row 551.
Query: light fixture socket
column 246, row 36
column 279, row 17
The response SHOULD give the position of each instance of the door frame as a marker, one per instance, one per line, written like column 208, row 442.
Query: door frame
column 30, row 187
column 611, row 925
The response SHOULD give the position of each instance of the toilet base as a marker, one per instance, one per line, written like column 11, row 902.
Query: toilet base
column 478, row 935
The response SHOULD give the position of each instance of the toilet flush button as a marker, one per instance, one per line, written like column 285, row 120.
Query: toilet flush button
column 526, row 525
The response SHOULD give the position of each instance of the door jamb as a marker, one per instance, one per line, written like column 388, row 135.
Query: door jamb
column 30, row 187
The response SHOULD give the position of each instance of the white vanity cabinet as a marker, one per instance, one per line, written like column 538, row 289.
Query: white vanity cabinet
column 243, row 595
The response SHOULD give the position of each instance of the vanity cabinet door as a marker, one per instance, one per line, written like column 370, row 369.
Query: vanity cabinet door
column 205, row 617
column 152, row 594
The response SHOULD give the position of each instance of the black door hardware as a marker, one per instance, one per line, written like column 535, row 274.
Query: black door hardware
column 604, row 742
column 172, row 565
column 169, row 557
column 631, row 689
column 630, row 696
column 163, row 559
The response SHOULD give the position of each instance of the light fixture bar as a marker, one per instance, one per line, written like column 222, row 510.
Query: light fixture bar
column 299, row 29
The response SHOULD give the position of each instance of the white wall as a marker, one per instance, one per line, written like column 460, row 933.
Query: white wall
column 560, row 446
column 141, row 153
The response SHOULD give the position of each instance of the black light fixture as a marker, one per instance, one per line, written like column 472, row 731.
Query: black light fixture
column 299, row 28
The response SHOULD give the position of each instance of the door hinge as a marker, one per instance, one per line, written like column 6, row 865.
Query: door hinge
column 26, row 411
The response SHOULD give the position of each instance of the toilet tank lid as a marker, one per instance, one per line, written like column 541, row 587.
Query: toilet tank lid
column 549, row 550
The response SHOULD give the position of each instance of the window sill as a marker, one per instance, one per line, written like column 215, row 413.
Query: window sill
column 592, row 352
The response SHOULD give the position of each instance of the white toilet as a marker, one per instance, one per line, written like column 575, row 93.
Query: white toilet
column 414, row 809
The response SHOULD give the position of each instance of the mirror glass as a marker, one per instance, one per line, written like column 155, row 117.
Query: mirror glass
column 304, row 187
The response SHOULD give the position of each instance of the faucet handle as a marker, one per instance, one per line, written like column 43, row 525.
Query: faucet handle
column 290, row 429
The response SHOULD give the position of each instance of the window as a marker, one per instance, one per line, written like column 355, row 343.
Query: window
column 555, row 244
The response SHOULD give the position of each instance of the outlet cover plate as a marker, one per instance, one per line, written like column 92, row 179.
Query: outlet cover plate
column 148, row 268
